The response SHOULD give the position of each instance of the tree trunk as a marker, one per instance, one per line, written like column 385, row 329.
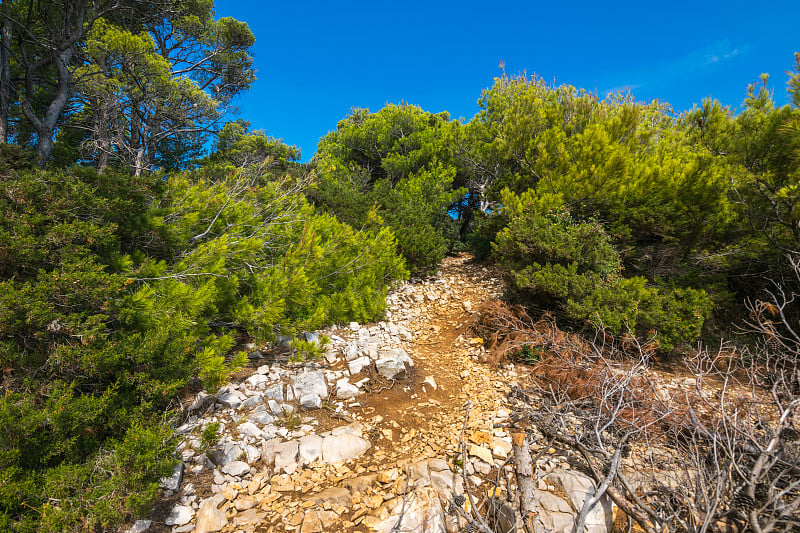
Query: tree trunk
column 45, row 128
column 5, row 74
column 139, row 164
column 102, row 131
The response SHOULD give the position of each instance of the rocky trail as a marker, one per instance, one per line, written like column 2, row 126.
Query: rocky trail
column 367, row 438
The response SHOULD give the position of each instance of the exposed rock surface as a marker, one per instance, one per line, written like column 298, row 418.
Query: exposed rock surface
column 180, row 515
column 174, row 481
column 368, row 437
column 209, row 518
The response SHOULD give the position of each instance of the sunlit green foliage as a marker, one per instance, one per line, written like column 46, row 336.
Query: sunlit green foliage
column 761, row 146
column 395, row 160
column 554, row 260
column 81, row 442
column 237, row 146
column 628, row 164
column 130, row 86
column 632, row 171
column 115, row 291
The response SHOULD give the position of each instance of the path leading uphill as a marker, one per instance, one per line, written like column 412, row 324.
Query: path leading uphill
column 366, row 439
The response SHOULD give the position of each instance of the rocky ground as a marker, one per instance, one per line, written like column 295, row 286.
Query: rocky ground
column 367, row 438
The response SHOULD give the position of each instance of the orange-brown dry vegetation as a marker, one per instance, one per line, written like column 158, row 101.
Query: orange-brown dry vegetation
column 602, row 371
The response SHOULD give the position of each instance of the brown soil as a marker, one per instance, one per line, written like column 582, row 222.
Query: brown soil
column 408, row 420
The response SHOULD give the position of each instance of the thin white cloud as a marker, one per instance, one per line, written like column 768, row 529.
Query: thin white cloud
column 669, row 71
column 716, row 57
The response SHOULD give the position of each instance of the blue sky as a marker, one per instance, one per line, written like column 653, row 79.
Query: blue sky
column 316, row 60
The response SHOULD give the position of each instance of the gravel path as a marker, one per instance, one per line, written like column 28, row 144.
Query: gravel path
column 400, row 438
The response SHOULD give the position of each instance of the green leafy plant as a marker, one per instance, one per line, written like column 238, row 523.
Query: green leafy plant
column 394, row 163
column 530, row 354
column 210, row 435
column 122, row 289
column 309, row 350
column 213, row 369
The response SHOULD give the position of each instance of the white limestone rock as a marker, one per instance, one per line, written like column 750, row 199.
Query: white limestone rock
column 179, row 515
column 351, row 351
column 338, row 448
column 310, row 401
column 262, row 417
column 286, row 455
column 225, row 453
column 310, row 383
column 274, row 392
column 357, row 365
column 249, row 429
column 236, row 468
column 229, row 399
column 309, row 449
column 394, row 365
column 257, row 381
column 346, row 390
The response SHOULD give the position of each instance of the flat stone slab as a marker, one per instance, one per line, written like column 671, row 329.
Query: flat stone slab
column 222, row 455
column 351, row 352
column 179, row 515
column 251, row 516
column 309, row 449
column 274, row 392
column 481, row 453
column 346, row 390
column 310, row 383
column 249, row 429
column 257, row 381
column 357, row 365
column 310, row 401
column 338, row 448
column 236, row 468
column 286, row 454
column 229, row 400
column 262, row 417
column 394, row 365
column 253, row 401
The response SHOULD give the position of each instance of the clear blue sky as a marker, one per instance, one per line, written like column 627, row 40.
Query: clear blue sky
column 316, row 60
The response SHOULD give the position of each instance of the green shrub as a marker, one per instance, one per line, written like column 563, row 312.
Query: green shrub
column 214, row 370
column 116, row 291
column 210, row 435
column 289, row 419
column 397, row 162
column 553, row 261
column 529, row 354
column 308, row 350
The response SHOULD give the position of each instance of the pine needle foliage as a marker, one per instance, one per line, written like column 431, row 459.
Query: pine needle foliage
column 117, row 291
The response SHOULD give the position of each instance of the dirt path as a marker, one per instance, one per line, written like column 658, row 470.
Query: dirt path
column 430, row 420
column 413, row 426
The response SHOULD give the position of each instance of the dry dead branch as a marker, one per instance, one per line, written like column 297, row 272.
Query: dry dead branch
column 717, row 450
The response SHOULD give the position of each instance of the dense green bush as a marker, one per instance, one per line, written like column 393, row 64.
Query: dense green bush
column 81, row 386
column 706, row 200
column 398, row 162
column 116, row 291
column 556, row 262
